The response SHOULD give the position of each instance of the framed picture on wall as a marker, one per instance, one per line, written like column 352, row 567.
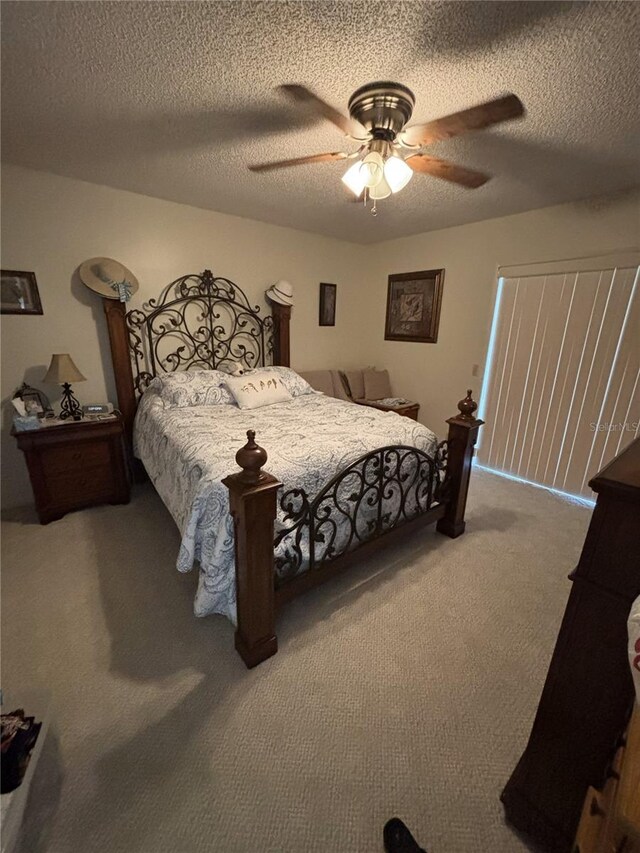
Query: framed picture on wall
column 413, row 306
column 19, row 293
column 328, row 304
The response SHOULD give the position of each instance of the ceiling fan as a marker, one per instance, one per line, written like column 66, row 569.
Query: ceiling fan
column 389, row 153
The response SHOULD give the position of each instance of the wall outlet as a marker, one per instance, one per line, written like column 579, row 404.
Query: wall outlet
column 475, row 370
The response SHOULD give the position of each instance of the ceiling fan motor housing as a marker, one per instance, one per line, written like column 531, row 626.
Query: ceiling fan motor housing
column 383, row 108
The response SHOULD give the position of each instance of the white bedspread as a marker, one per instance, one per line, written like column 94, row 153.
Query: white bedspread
column 187, row 451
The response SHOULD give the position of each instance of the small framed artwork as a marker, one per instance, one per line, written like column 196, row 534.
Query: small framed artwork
column 413, row 306
column 19, row 293
column 328, row 304
column 35, row 401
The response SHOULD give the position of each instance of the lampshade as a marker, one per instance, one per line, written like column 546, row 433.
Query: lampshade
column 397, row 174
column 371, row 169
column 381, row 190
column 354, row 178
column 62, row 369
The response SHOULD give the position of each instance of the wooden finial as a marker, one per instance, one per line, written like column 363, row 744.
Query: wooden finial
column 251, row 458
column 467, row 407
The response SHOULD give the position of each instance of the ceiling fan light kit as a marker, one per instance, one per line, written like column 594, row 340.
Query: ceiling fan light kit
column 378, row 115
column 372, row 168
column 380, row 191
column 355, row 178
column 396, row 173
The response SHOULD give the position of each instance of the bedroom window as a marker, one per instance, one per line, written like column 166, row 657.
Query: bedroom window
column 561, row 393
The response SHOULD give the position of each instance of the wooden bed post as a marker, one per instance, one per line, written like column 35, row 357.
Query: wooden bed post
column 281, row 320
column 463, row 433
column 252, row 498
column 115, row 312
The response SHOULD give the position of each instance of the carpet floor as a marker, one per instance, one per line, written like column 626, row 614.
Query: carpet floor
column 405, row 687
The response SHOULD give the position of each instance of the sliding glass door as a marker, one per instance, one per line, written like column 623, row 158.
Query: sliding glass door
column 562, row 383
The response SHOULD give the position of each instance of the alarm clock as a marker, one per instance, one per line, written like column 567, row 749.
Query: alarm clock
column 98, row 409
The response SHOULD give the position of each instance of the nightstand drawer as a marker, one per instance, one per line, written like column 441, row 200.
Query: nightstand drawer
column 66, row 458
column 81, row 485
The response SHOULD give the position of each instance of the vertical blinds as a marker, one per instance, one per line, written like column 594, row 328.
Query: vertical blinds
column 563, row 384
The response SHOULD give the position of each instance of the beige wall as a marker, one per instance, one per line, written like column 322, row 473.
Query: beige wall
column 51, row 224
column 437, row 375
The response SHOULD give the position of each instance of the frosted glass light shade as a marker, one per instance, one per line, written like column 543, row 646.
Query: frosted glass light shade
column 397, row 174
column 372, row 169
column 381, row 190
column 354, row 178
column 62, row 369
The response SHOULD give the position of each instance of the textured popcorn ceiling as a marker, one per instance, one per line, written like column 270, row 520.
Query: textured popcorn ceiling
column 175, row 99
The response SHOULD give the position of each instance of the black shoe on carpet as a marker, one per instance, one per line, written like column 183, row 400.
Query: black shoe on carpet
column 398, row 839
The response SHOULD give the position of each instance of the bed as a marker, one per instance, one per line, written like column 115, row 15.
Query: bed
column 342, row 479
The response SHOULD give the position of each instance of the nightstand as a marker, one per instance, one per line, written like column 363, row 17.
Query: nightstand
column 406, row 408
column 75, row 465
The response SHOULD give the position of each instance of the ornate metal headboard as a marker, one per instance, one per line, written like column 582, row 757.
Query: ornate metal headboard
column 197, row 321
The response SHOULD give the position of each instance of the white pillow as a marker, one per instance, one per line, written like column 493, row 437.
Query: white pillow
column 258, row 388
column 192, row 388
column 293, row 382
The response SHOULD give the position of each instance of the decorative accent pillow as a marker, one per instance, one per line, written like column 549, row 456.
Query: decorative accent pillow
column 193, row 388
column 355, row 381
column 331, row 383
column 376, row 384
column 340, row 385
column 320, row 380
column 293, row 382
column 258, row 388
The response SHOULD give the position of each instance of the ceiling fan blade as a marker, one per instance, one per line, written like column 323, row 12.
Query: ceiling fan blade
column 302, row 95
column 475, row 118
column 299, row 161
column 447, row 171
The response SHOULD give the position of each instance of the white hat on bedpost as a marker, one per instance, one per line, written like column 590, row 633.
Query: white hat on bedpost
column 108, row 278
column 281, row 292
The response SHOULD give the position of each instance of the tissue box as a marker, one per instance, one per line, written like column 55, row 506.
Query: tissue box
column 23, row 423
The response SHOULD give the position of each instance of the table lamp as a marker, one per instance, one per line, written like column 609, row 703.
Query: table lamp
column 62, row 371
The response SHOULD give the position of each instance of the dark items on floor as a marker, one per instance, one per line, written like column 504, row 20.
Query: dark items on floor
column 19, row 736
column 398, row 839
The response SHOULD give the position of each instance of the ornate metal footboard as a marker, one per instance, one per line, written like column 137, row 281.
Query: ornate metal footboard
column 373, row 495
column 381, row 494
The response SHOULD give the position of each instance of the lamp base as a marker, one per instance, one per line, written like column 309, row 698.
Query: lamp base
column 70, row 407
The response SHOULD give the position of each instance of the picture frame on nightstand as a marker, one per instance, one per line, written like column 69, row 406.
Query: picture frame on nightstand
column 35, row 401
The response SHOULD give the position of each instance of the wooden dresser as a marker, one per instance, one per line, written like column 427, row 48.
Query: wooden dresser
column 75, row 465
column 610, row 821
column 588, row 694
